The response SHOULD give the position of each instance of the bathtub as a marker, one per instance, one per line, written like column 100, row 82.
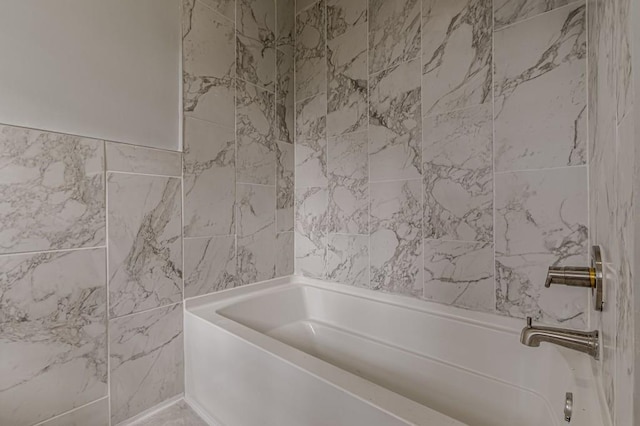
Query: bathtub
column 296, row 351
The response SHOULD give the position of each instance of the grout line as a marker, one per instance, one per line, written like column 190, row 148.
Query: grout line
column 26, row 253
column 226, row 18
column 112, row 172
column 422, row 171
column 57, row 416
column 546, row 169
column 224, row 126
column 208, row 237
column 307, row 7
column 546, row 12
column 107, row 287
column 144, row 311
column 273, row 92
column 494, row 297
column 368, row 130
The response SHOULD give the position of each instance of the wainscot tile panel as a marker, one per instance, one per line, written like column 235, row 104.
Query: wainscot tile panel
column 311, row 142
column 209, row 63
column 458, row 175
column 541, row 220
column 540, row 99
column 285, row 187
column 459, row 273
column 52, row 189
column 94, row 414
column 145, row 246
column 395, row 123
column 396, row 237
column 456, row 52
column 209, row 179
column 310, row 52
column 143, row 345
column 209, row 265
column 136, row 159
column 311, row 231
column 348, row 259
column 255, row 41
column 506, row 12
column 53, row 333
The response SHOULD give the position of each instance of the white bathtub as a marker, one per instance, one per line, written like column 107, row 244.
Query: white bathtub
column 297, row 352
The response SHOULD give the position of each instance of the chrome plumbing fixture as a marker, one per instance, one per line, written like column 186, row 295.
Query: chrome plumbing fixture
column 582, row 341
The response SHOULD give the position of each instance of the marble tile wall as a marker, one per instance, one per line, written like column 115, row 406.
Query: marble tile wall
column 441, row 150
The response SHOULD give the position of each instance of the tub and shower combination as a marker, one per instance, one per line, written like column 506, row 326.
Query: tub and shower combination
column 296, row 351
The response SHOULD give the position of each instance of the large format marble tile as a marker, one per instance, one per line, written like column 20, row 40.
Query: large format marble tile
column 540, row 105
column 541, row 221
column 53, row 333
column 456, row 54
column 285, row 20
column 121, row 157
column 459, row 273
column 349, row 184
column 223, row 7
column 256, row 206
column 209, row 179
column 145, row 242
column 255, row 135
column 347, row 81
column 344, row 15
column 396, row 237
column 94, row 414
column 285, row 254
column 311, row 231
column 507, row 12
column 209, row 64
column 458, row 175
column 209, row 265
column 623, row 60
column 348, row 259
column 285, row 187
column 394, row 32
column 52, row 191
column 256, row 41
column 311, row 142
column 146, row 360
column 395, row 123
column 310, row 55
column 178, row 414
column 284, row 97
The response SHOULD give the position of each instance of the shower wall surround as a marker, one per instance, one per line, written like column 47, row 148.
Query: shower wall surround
column 441, row 150
column 91, row 248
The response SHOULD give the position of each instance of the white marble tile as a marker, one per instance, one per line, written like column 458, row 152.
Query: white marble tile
column 53, row 333
column 389, row 44
column 209, row 265
column 459, row 273
column 145, row 242
column 456, row 54
column 348, row 259
column 541, row 221
column 396, row 237
column 623, row 60
column 539, row 84
column 255, row 41
column 285, row 20
column 349, row 184
column 285, row 187
column 256, row 205
column 303, row 4
column 255, row 135
column 458, row 175
column 344, row 15
column 209, row 63
column 146, row 360
column 507, row 12
column 136, row 159
column 311, row 142
column 285, row 254
column 209, row 179
column 223, row 7
column 311, row 231
column 93, row 414
column 395, row 123
column 52, row 191
column 310, row 55
column 284, row 98
column 178, row 414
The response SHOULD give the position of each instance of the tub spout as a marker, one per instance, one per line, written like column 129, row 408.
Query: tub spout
column 582, row 341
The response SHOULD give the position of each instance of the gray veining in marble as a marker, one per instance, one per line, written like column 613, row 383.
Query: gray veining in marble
column 209, row 179
column 541, row 221
column 256, row 206
column 209, row 265
column 255, row 41
column 395, row 123
column 223, row 7
column 348, row 259
column 53, row 333
column 456, row 54
column 459, row 273
column 285, row 254
column 394, row 32
column 209, row 64
column 349, row 184
column 145, row 246
column 141, row 346
column 310, row 52
column 93, row 414
column 285, row 187
column 178, row 414
column 285, row 20
column 255, row 118
column 540, row 100
column 344, row 15
column 136, row 159
column 396, row 237
column 311, row 231
column 52, row 191
column 284, row 97
column 311, row 142
column 458, row 175
column 507, row 12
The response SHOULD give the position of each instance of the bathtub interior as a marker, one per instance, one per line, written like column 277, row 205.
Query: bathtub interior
column 458, row 365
